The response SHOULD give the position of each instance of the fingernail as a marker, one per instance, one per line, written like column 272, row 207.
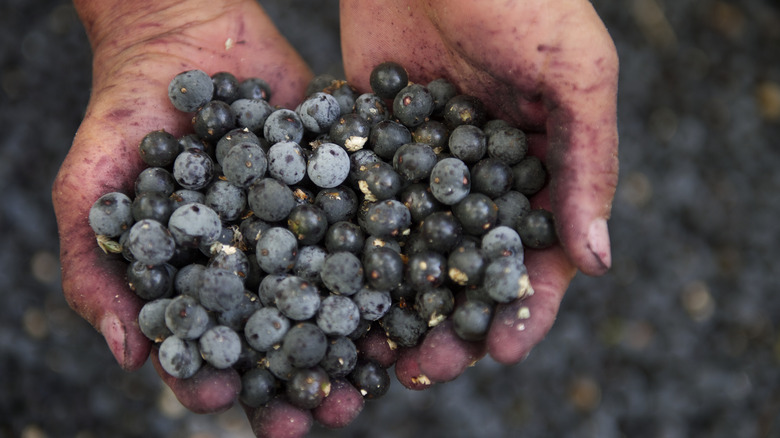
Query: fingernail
column 113, row 330
column 598, row 242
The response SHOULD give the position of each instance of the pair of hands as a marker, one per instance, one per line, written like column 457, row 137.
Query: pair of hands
column 548, row 67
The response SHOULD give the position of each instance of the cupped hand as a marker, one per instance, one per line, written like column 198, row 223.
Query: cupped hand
column 548, row 67
column 138, row 48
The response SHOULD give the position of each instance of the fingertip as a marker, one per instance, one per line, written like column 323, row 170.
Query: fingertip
column 280, row 419
column 129, row 347
column 443, row 355
column 599, row 246
column 407, row 370
column 210, row 390
column 340, row 407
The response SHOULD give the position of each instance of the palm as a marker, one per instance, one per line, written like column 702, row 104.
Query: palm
column 129, row 99
column 549, row 68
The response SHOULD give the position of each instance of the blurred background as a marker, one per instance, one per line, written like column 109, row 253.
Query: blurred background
column 680, row 339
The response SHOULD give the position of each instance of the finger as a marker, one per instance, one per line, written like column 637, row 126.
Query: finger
column 280, row 419
column 342, row 405
column 443, row 355
column 520, row 325
column 407, row 370
column 209, row 390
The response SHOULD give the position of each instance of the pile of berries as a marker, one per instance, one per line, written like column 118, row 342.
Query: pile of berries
column 275, row 241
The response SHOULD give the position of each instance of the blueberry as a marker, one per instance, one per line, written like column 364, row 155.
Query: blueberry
column 283, row 125
column 251, row 113
column 338, row 203
column 414, row 161
column 350, row 131
column 244, row 164
column 265, row 328
column 287, row 162
column 226, row 199
column 186, row 318
column 152, row 205
column 180, row 357
column 466, row 266
column 297, row 298
column 464, row 109
column 328, row 166
column 220, row 289
column 434, row 305
column 220, row 346
column 508, row 145
column 468, row 142
column 386, row 137
column 477, row 213
column 318, row 112
column 471, row 320
column 213, row 120
column 277, row 250
column 159, row 148
column 372, row 108
column 442, row 91
column 370, row 379
column 511, row 205
column 111, row 215
column 502, row 241
column 433, row 133
column 151, row 320
column 308, row 222
column 420, row 201
column 388, row 79
column 304, row 345
column 412, row 105
column 450, row 181
column 193, row 169
column 194, row 224
column 338, row 315
column 270, row 200
column 344, row 236
column 190, row 90
column 254, row 88
column 307, row 387
column 150, row 282
column 342, row 273
column 403, row 325
column 258, row 387
column 225, row 86
column 155, row 179
column 529, row 175
column 384, row 268
column 506, row 279
column 150, row 242
column 537, row 229
column 340, row 357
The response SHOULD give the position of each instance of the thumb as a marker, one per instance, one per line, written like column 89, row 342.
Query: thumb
column 582, row 158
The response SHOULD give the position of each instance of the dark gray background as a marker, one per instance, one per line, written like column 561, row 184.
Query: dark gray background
column 680, row 339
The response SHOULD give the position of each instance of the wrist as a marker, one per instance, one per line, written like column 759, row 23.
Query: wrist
column 119, row 24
